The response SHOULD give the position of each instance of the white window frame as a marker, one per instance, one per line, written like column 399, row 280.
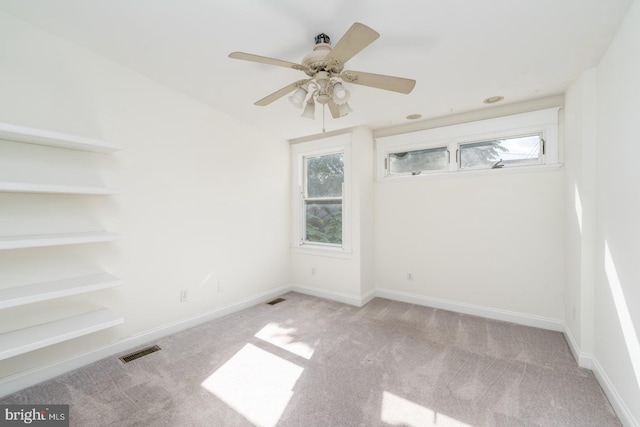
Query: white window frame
column 542, row 122
column 300, row 151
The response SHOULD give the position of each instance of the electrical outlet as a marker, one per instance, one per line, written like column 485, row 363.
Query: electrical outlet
column 409, row 276
column 184, row 295
column 314, row 271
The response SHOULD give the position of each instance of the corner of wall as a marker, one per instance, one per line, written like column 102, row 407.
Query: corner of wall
column 584, row 360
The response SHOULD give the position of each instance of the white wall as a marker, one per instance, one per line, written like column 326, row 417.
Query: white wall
column 580, row 211
column 617, row 294
column 602, row 306
column 364, row 206
column 489, row 242
column 205, row 197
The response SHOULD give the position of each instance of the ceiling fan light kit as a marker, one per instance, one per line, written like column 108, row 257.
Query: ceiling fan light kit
column 344, row 109
column 340, row 94
column 309, row 110
column 298, row 97
column 324, row 66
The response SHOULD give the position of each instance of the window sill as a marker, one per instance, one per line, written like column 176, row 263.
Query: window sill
column 322, row 251
column 469, row 173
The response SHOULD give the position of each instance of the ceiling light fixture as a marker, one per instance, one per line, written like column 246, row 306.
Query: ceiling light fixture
column 324, row 90
column 309, row 110
column 298, row 97
column 325, row 87
column 325, row 68
column 493, row 99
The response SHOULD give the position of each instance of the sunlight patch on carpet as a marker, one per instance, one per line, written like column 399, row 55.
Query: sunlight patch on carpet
column 281, row 337
column 256, row 384
column 402, row 412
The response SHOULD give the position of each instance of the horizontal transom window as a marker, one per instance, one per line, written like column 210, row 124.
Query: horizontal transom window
column 497, row 153
column 417, row 161
column 526, row 139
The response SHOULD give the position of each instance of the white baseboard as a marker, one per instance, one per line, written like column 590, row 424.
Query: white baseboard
column 622, row 411
column 589, row 361
column 357, row 300
column 475, row 310
column 34, row 376
column 367, row 297
column 584, row 360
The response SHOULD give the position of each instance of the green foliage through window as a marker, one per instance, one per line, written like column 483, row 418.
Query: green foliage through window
column 324, row 222
column 324, row 178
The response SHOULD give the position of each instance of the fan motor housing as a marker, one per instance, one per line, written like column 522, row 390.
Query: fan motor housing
column 314, row 60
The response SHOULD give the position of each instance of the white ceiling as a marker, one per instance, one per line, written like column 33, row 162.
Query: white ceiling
column 459, row 51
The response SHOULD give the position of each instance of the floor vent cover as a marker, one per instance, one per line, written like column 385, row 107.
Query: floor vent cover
column 275, row 301
column 140, row 353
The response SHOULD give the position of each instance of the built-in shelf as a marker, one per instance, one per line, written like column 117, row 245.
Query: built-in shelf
column 22, row 187
column 11, row 132
column 24, row 340
column 27, row 294
column 40, row 240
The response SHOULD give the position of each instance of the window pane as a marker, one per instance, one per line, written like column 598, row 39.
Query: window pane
column 521, row 150
column 323, row 221
column 325, row 175
column 418, row 161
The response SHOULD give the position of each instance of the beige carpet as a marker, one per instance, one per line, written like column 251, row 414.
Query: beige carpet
column 312, row 362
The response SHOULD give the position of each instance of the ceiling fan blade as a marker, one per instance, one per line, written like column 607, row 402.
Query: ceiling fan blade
column 354, row 40
column 334, row 109
column 265, row 60
column 280, row 93
column 380, row 81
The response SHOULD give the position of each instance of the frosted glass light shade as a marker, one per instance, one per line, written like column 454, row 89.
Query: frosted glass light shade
column 297, row 99
column 340, row 94
column 309, row 110
column 344, row 109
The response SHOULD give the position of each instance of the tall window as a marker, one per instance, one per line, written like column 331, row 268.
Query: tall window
column 322, row 198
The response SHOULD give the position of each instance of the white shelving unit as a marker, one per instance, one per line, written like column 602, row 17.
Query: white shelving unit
column 22, row 341
column 23, row 187
column 11, row 132
column 41, row 240
column 28, row 294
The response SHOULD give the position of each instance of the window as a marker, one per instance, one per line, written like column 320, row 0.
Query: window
column 417, row 161
column 526, row 139
column 322, row 198
column 497, row 153
column 320, row 190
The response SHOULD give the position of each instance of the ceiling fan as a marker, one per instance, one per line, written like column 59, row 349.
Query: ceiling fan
column 325, row 68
